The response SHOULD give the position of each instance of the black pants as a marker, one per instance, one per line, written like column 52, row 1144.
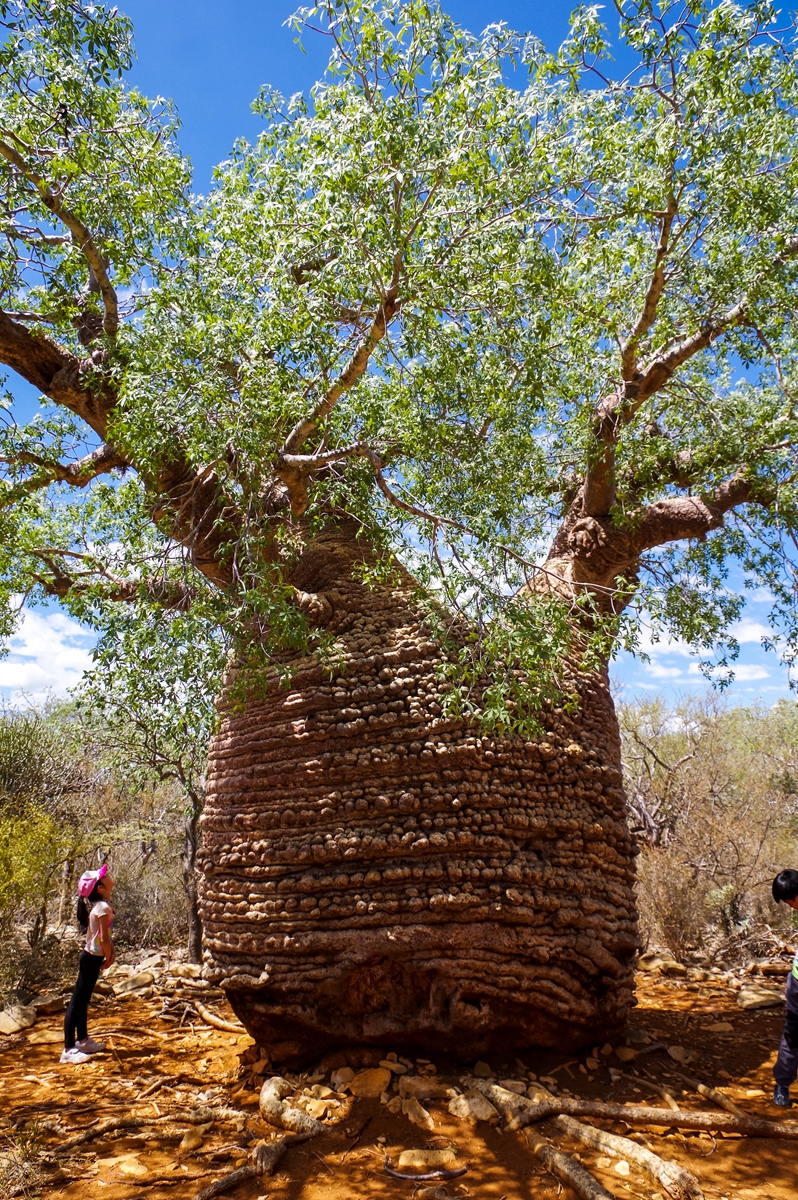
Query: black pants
column 76, row 1014
column 786, row 1068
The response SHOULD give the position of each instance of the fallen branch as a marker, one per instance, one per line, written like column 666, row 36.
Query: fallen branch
column 198, row 1116
column 218, row 1022
column 711, row 1094
column 265, row 1158
column 565, row 1168
column 678, row 1183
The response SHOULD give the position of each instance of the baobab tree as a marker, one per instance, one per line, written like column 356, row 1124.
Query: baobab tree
column 428, row 325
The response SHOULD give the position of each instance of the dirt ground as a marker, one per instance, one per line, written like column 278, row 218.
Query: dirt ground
column 42, row 1103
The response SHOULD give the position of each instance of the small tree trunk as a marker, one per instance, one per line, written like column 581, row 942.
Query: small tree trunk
column 189, row 871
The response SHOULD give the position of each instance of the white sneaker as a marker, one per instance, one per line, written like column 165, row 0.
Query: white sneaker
column 74, row 1056
column 89, row 1046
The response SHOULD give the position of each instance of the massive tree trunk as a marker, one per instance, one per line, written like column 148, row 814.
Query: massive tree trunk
column 376, row 873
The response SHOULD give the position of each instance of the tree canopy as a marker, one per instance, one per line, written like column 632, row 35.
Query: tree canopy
column 527, row 321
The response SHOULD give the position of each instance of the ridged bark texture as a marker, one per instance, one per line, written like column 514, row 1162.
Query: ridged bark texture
column 374, row 873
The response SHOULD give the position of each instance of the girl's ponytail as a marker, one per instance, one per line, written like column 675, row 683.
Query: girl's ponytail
column 83, row 912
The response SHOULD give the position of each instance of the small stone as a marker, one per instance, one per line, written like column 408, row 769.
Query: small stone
column 135, row 983
column 192, row 1140
column 513, row 1085
column 427, row 1159
column 719, row 1027
column 416, row 1113
column 626, row 1053
column 49, row 1004
column 639, row 1037
column 16, row 1017
column 342, row 1077
column 482, row 1070
column 185, row 970
column 673, row 968
column 371, row 1083
column 392, row 1065
column 592, row 1064
column 395, row 1106
column 473, row 1106
column 317, row 1109
column 680, row 1055
column 606, row 1049
column 622, row 1167
column 603, row 1163
column 756, row 995
column 132, row 1166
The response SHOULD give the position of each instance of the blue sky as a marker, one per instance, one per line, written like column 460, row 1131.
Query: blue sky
column 211, row 59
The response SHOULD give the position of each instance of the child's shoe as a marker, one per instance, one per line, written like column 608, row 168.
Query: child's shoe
column 781, row 1096
column 74, row 1056
column 88, row 1045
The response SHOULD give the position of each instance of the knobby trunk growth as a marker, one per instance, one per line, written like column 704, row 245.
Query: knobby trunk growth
column 427, row 318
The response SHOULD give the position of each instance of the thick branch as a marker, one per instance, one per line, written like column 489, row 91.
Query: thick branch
column 619, row 408
column 97, row 261
column 167, row 592
column 56, row 372
column 76, row 474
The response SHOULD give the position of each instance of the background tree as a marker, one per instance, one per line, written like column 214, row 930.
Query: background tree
column 434, row 318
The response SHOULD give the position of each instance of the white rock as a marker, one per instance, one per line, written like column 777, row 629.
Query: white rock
column 416, row 1113
column 757, row 995
column 473, row 1106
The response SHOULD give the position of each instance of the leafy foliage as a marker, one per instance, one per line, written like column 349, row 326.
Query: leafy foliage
column 473, row 316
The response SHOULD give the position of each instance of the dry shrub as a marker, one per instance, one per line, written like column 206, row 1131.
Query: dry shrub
column 713, row 794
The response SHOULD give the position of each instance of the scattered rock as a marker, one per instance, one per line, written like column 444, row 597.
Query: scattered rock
column 483, row 1071
column 45, row 1005
column 513, row 1085
column 639, row 1037
column 416, row 1113
column 671, row 967
column 422, row 1088
column 192, row 1140
column 757, row 995
column 45, row 1037
column 622, row 1167
column 135, row 983
column 680, row 1055
column 625, row 1054
column 342, row 1077
column 394, row 1106
column 370, row 1083
column 428, row 1160
column 16, row 1017
column 719, row 1027
column 473, row 1106
column 392, row 1065
column 185, row 970
column 606, row 1050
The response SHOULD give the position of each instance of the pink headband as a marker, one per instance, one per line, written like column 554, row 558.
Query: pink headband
column 89, row 880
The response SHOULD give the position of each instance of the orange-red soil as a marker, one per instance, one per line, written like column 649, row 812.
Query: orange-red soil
column 204, row 1066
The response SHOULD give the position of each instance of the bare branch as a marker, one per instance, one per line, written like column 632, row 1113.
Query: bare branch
column 98, row 263
column 77, row 474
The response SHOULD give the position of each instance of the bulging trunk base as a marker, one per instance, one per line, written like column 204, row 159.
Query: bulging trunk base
column 374, row 873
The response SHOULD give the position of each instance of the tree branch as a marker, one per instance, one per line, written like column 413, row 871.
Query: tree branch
column 652, row 296
column 76, row 474
column 353, row 371
column 620, row 407
column 167, row 592
column 97, row 261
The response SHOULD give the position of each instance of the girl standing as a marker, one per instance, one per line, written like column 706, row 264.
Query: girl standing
column 94, row 886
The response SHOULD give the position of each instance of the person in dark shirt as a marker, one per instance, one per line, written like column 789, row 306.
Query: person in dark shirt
column 785, row 891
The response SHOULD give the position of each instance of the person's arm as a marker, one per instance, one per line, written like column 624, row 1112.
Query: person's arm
column 106, row 944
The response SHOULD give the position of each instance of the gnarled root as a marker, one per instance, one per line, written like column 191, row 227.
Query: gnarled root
column 711, row 1094
column 677, row 1182
column 265, row 1158
column 217, row 1022
column 275, row 1110
column 566, row 1168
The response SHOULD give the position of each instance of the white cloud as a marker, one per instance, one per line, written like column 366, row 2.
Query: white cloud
column 659, row 671
column 747, row 630
column 47, row 655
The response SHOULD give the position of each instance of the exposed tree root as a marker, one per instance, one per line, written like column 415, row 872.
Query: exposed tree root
column 265, row 1158
column 652, row 1086
column 711, row 1094
column 218, row 1022
column 634, row 1114
column 276, row 1110
column 566, row 1168
column 677, row 1182
column 454, row 1173
column 197, row 1116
